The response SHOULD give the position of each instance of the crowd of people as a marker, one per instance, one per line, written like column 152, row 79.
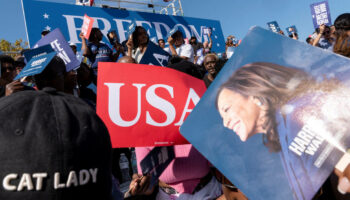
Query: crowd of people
column 189, row 176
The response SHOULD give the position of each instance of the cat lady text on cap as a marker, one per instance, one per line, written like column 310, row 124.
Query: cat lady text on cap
column 35, row 181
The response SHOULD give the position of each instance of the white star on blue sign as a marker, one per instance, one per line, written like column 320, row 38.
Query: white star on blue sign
column 48, row 28
column 46, row 16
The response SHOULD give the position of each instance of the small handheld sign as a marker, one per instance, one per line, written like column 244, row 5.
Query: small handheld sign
column 157, row 161
column 131, row 28
column 43, row 50
column 273, row 26
column 292, row 29
column 87, row 26
column 320, row 14
column 36, row 65
column 57, row 41
column 207, row 30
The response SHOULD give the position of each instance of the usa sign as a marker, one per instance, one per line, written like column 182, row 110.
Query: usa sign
column 145, row 105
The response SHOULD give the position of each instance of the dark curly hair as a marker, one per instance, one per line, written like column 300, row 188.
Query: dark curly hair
column 273, row 85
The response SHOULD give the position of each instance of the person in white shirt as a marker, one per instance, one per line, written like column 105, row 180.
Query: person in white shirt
column 185, row 51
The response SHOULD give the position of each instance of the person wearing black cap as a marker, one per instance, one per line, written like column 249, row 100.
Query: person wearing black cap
column 54, row 147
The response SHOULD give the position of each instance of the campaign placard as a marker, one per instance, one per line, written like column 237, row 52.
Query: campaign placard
column 62, row 48
column 320, row 14
column 274, row 27
column 43, row 50
column 131, row 28
column 69, row 18
column 156, row 161
column 87, row 26
column 36, row 65
column 274, row 115
column 144, row 105
column 155, row 55
column 291, row 29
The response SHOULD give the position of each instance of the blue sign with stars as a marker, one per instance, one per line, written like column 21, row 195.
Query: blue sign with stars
column 41, row 16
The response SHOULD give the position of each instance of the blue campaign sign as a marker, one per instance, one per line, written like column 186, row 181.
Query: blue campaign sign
column 131, row 27
column 291, row 29
column 60, row 45
column 38, row 52
column 273, row 26
column 40, row 15
column 320, row 14
column 289, row 152
column 155, row 55
column 156, row 161
column 36, row 65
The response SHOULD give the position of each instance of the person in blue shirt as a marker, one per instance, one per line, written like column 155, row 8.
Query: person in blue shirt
column 95, row 50
column 295, row 113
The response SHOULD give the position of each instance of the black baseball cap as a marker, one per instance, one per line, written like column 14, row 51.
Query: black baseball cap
column 52, row 146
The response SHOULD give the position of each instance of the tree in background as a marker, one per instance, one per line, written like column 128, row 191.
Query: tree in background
column 13, row 49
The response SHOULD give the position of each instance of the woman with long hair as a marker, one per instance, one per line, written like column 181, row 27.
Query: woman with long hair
column 293, row 112
column 137, row 43
column 342, row 33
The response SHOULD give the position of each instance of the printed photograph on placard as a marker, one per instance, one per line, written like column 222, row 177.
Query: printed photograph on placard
column 274, row 121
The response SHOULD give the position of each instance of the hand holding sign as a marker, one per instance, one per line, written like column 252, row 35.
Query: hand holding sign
column 321, row 14
column 87, row 26
column 273, row 26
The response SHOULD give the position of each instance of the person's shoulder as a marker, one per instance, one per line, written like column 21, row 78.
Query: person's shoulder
column 187, row 46
column 105, row 46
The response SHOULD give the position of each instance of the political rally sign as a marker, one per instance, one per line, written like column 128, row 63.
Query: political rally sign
column 292, row 29
column 87, row 26
column 155, row 55
column 273, row 26
column 156, row 161
column 40, row 15
column 297, row 145
column 320, row 14
column 36, row 65
column 60, row 45
column 45, row 49
column 144, row 105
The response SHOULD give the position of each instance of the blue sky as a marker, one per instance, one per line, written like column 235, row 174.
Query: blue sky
column 236, row 16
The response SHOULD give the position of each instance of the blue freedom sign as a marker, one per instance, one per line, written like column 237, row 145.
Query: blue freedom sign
column 40, row 15
column 155, row 55
column 320, row 14
column 60, row 45
column 311, row 129
column 273, row 26
column 36, row 65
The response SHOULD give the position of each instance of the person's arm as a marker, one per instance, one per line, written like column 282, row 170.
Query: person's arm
column 84, row 47
column 319, row 35
column 210, row 41
column 171, row 46
column 344, row 175
column 14, row 87
column 130, row 46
